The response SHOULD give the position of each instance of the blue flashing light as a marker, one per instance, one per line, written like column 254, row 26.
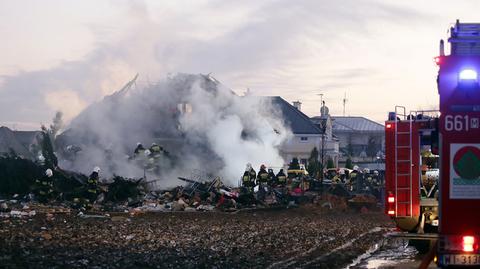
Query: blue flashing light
column 468, row 74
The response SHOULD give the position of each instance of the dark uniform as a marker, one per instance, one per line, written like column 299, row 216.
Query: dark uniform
column 43, row 188
column 272, row 179
column 262, row 176
column 281, row 178
column 92, row 189
column 139, row 150
column 253, row 176
column 248, row 179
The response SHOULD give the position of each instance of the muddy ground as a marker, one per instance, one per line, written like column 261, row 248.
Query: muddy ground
column 307, row 237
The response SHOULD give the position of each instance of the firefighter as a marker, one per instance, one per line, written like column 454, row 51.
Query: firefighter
column 156, row 150
column 341, row 173
column 92, row 188
column 353, row 178
column 43, row 188
column 253, row 174
column 262, row 176
column 139, row 150
column 149, row 163
column 272, row 179
column 246, row 178
column 368, row 176
column 358, row 178
column 281, row 178
column 337, row 178
column 376, row 178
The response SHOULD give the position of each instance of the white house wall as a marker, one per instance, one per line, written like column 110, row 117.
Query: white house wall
column 301, row 149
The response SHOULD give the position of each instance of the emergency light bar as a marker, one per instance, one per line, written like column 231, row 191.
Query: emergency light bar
column 468, row 74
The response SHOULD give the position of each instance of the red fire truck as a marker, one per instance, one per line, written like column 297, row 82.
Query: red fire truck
column 455, row 206
column 411, row 174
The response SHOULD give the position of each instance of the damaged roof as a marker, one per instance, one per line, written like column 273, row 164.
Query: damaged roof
column 9, row 142
column 27, row 138
column 299, row 123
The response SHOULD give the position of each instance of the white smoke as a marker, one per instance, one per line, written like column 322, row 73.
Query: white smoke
column 238, row 129
column 214, row 130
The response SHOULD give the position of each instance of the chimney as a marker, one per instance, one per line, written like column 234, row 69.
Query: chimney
column 297, row 105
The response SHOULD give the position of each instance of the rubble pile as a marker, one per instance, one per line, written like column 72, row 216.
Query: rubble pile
column 277, row 238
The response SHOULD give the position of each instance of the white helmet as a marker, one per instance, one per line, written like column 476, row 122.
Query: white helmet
column 147, row 153
column 138, row 144
column 341, row 172
column 366, row 171
column 41, row 158
column 375, row 172
column 356, row 167
column 96, row 169
column 249, row 167
column 154, row 144
column 49, row 172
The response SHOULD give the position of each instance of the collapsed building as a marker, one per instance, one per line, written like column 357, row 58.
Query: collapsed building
column 201, row 123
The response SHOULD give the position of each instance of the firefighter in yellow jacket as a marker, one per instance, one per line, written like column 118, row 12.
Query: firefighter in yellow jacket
column 262, row 176
column 43, row 188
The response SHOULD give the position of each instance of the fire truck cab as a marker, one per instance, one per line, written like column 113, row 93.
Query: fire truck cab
column 455, row 204
column 459, row 125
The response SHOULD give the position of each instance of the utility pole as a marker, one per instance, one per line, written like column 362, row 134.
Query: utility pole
column 344, row 102
column 323, row 148
column 323, row 125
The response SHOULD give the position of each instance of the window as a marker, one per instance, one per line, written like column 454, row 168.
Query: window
column 303, row 138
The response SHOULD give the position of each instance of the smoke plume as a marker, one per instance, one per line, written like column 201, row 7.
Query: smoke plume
column 201, row 123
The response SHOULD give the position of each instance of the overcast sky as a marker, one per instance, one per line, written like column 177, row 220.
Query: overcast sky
column 64, row 55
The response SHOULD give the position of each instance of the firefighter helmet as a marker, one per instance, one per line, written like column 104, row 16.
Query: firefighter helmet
column 49, row 172
column 96, row 169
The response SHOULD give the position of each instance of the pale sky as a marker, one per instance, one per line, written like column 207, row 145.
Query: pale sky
column 64, row 55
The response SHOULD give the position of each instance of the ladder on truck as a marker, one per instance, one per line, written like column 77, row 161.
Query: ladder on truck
column 465, row 39
column 403, row 160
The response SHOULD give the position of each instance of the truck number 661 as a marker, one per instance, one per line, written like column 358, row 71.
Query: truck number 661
column 457, row 123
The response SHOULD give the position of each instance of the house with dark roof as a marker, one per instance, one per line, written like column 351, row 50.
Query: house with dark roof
column 359, row 137
column 306, row 134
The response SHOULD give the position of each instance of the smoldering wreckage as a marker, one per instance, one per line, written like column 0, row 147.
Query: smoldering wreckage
column 201, row 136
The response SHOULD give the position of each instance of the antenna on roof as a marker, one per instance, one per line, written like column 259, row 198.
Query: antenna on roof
column 344, row 101
column 321, row 98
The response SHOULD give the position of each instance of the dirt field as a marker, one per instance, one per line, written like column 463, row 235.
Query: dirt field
column 303, row 237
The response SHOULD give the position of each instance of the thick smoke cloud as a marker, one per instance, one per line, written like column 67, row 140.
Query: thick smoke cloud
column 288, row 48
column 203, row 125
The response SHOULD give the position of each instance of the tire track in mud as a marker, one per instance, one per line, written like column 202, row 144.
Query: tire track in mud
column 323, row 256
